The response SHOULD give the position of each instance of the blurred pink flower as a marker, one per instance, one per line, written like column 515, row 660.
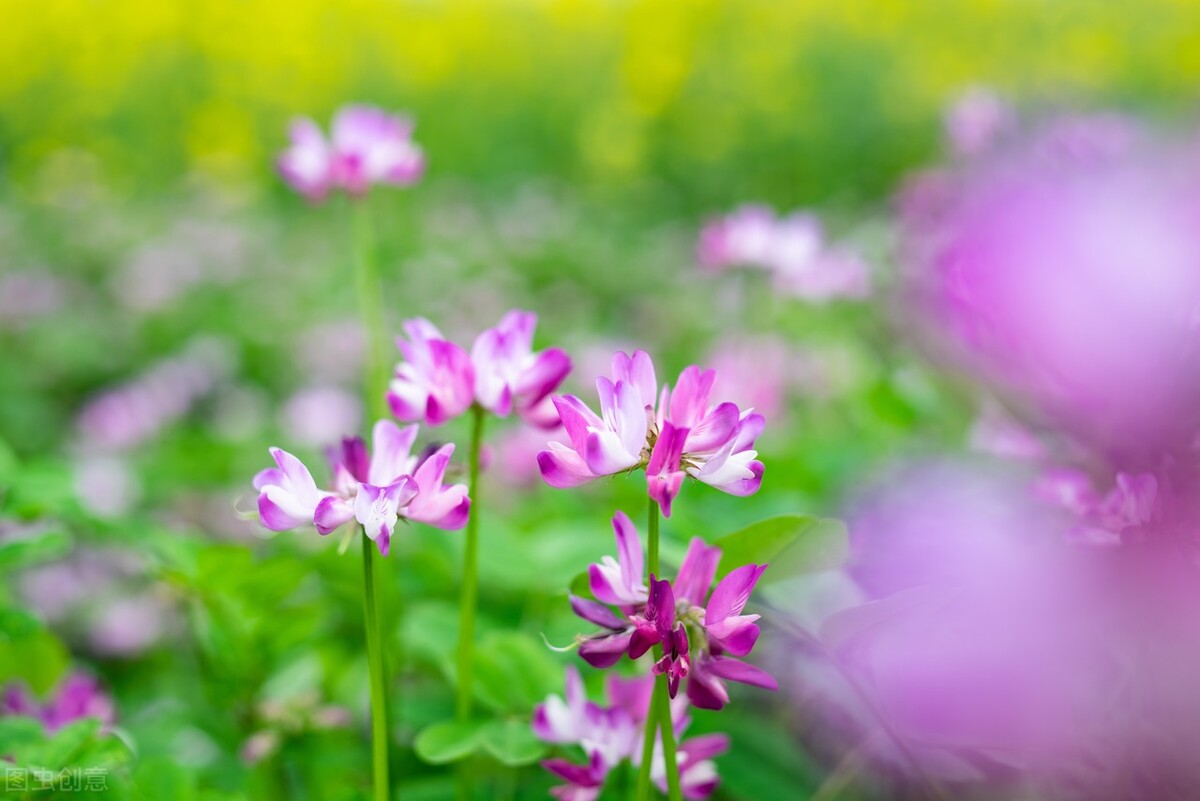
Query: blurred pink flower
column 321, row 414
column 367, row 146
column 1066, row 269
column 975, row 120
column 793, row 249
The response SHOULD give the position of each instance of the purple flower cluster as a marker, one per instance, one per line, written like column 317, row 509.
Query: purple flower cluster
column 701, row 635
column 366, row 146
column 613, row 734
column 683, row 435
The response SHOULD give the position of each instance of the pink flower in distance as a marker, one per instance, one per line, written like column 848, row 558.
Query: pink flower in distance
column 375, row 490
column 680, row 436
column 792, row 249
column 367, row 146
column 701, row 635
column 438, row 380
column 613, row 734
column 78, row 696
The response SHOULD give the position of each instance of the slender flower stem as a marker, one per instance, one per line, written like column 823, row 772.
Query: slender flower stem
column 370, row 301
column 379, row 726
column 470, row 578
column 658, row 716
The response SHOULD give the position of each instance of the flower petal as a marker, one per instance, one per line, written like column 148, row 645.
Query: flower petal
column 732, row 593
column 392, row 447
column 697, row 572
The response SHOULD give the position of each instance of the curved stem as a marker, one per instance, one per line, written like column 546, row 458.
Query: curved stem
column 470, row 578
column 658, row 716
column 379, row 726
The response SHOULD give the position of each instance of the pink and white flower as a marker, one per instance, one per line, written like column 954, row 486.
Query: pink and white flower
column 375, row 490
column 367, row 146
column 680, row 436
column 438, row 380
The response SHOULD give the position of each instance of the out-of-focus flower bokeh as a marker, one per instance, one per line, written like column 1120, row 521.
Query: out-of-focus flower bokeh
column 950, row 251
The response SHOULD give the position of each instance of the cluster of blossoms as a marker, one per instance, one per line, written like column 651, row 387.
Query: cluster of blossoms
column 439, row 380
column 611, row 735
column 366, row 146
column 792, row 249
column 78, row 696
column 682, row 435
column 701, row 635
column 375, row 489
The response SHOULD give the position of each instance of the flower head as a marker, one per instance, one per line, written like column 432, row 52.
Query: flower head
column 671, row 434
column 701, row 635
column 438, row 380
column 367, row 146
column 612, row 734
column 376, row 490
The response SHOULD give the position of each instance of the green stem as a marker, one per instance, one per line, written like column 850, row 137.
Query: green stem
column 658, row 716
column 370, row 302
column 470, row 578
column 379, row 726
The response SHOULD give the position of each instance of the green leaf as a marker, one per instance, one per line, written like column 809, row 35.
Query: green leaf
column 69, row 743
column 41, row 546
column 20, row 734
column 581, row 586
column 791, row 544
column 514, row 671
column 512, row 742
column 448, row 741
column 29, row 652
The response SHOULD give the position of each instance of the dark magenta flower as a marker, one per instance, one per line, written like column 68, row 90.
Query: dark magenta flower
column 613, row 734
column 702, row 635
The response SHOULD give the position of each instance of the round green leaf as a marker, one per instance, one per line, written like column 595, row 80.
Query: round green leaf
column 448, row 741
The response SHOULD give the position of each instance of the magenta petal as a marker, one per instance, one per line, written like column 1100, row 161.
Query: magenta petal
column 562, row 468
column 697, row 572
column 705, row 746
column 332, row 513
column 629, row 549
column 732, row 593
column 712, row 432
column 706, row 690
column 735, row 635
column 543, row 376
column 689, row 397
column 275, row 518
column 604, row 651
column 596, row 612
column 736, row 670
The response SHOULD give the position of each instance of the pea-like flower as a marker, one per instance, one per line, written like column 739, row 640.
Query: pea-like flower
column 612, row 734
column 366, row 146
column 702, row 636
column 375, row 490
column 680, row 435
column 438, row 380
